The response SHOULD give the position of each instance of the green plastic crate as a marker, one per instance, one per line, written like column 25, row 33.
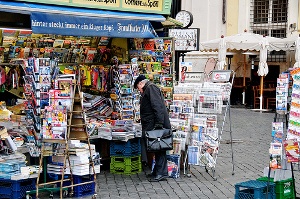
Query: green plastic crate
column 284, row 189
column 125, row 165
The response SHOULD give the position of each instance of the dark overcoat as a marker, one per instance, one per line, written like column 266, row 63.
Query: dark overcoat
column 153, row 109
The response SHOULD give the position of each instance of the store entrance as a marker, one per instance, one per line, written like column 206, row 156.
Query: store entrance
column 271, row 77
column 269, row 82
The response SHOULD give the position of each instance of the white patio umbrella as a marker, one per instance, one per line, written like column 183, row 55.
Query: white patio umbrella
column 297, row 53
column 222, row 54
column 244, row 41
column 263, row 69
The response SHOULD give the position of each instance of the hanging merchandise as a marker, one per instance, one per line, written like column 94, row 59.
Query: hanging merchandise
column 154, row 58
column 293, row 125
column 282, row 93
column 276, row 147
column 2, row 75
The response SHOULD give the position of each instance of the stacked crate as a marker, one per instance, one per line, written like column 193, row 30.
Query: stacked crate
column 16, row 189
column 254, row 189
column 284, row 189
column 84, row 189
column 125, row 157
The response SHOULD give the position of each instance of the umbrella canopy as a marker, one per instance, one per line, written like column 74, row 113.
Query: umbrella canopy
column 222, row 54
column 248, row 41
column 243, row 41
column 263, row 67
column 297, row 53
column 263, row 55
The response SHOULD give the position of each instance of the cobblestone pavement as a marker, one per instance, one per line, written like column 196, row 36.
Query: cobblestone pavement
column 250, row 158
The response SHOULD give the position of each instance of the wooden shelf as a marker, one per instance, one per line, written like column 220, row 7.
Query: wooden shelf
column 17, row 92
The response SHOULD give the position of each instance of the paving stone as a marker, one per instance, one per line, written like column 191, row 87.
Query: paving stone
column 250, row 158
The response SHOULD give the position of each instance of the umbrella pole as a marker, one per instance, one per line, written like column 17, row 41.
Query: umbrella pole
column 261, row 92
column 244, row 80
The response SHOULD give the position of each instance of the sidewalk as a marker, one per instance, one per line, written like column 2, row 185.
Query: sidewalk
column 250, row 158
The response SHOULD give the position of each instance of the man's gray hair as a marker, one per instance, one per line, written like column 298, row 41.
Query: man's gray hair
column 144, row 81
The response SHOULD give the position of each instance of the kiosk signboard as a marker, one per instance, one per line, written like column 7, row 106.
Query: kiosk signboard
column 143, row 6
column 186, row 39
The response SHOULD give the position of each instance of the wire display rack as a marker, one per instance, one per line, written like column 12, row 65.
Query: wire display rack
column 207, row 119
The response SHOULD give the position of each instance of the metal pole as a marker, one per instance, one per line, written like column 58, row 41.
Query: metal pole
column 182, row 56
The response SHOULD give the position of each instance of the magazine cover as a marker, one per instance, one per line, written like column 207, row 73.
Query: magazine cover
column 59, row 97
column 291, row 148
column 277, row 132
column 65, row 85
column 276, row 155
column 186, row 97
column 194, row 155
column 198, row 131
column 210, row 103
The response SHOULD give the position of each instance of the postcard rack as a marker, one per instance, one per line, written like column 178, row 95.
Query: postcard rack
column 206, row 116
column 69, row 127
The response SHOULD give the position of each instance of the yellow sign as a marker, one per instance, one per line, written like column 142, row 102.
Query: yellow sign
column 150, row 5
column 59, row 1
column 143, row 6
column 98, row 3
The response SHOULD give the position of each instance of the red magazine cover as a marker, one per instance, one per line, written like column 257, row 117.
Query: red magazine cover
column 291, row 148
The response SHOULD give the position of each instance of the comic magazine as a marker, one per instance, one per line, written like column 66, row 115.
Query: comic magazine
column 60, row 97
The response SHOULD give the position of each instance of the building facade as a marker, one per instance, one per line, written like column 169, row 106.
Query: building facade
column 276, row 18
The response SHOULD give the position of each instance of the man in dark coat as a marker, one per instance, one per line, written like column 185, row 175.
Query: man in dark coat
column 154, row 115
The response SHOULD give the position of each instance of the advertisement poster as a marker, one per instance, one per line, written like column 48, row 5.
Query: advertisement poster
column 184, row 67
column 186, row 39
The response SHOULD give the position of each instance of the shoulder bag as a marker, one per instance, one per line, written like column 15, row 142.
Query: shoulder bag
column 159, row 139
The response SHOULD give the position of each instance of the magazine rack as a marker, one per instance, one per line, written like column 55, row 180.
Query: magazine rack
column 76, row 130
column 208, row 122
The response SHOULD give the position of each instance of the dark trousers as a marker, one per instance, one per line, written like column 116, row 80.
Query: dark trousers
column 161, row 163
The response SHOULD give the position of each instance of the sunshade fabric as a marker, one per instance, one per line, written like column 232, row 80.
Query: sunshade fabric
column 244, row 41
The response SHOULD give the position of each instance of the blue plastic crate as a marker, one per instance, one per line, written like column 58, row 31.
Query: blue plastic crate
column 16, row 189
column 130, row 148
column 173, row 165
column 86, row 189
column 254, row 189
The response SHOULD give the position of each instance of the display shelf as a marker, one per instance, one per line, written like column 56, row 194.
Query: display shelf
column 17, row 92
column 72, row 132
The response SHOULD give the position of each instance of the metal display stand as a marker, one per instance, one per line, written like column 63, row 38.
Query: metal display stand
column 213, row 102
column 283, row 118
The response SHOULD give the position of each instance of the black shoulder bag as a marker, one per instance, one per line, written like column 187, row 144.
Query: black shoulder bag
column 159, row 140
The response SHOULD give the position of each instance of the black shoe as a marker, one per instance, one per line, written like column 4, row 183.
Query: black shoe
column 145, row 166
column 158, row 178
column 150, row 175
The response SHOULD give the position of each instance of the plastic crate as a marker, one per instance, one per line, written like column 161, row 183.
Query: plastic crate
column 130, row 148
column 254, row 189
column 125, row 165
column 16, row 189
column 80, row 190
column 173, row 165
column 284, row 189
column 85, row 189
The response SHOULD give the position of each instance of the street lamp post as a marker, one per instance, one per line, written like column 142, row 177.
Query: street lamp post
column 252, row 57
column 229, row 56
